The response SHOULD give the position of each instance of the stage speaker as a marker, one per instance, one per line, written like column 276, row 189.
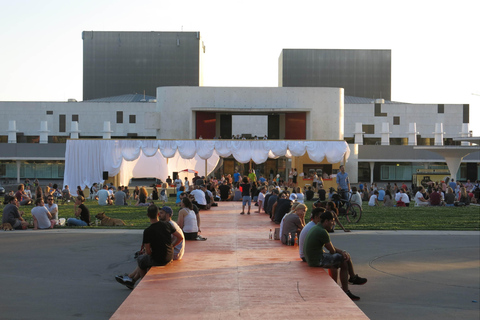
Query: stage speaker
column 105, row 175
column 175, row 175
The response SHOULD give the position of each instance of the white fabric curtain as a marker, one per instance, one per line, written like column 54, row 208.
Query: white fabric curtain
column 86, row 160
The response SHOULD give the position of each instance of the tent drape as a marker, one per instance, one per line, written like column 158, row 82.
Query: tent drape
column 86, row 160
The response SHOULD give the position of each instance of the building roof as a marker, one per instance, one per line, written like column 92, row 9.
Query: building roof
column 125, row 98
column 360, row 100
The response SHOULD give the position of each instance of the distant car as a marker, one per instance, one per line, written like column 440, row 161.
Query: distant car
column 2, row 191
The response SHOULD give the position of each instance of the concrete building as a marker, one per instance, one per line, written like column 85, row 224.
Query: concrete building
column 362, row 73
column 383, row 139
column 117, row 63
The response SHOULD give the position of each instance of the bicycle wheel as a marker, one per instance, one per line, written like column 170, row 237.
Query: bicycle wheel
column 354, row 213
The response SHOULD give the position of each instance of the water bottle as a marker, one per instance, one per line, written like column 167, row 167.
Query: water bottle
column 289, row 240
column 296, row 240
column 270, row 236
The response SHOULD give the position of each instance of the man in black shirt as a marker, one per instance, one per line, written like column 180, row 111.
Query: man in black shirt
column 225, row 191
column 157, row 248
column 282, row 206
column 322, row 194
column 309, row 194
column 271, row 201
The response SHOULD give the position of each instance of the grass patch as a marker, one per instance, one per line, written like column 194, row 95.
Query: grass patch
column 373, row 218
column 415, row 218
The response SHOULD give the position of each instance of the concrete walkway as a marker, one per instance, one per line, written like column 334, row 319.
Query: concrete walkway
column 237, row 274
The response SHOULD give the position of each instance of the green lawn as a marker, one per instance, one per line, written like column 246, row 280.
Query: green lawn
column 411, row 218
column 415, row 218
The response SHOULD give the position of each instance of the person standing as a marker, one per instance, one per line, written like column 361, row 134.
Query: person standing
column 343, row 183
column 246, row 195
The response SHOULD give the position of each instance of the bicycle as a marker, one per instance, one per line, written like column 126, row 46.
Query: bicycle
column 352, row 211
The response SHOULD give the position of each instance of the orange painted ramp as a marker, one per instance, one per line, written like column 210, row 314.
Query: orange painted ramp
column 237, row 273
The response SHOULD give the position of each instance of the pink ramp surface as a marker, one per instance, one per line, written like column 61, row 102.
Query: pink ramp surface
column 237, row 274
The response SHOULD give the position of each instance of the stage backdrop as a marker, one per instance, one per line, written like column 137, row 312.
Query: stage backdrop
column 86, row 160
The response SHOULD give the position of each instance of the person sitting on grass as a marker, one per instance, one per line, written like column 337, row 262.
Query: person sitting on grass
column 142, row 197
column 356, row 198
column 435, row 198
column 463, row 198
column 12, row 215
column 419, row 199
column 157, row 248
column 373, row 202
column 104, row 196
column 402, row 198
column 449, row 198
column 388, row 199
column 318, row 238
column 82, row 214
column 42, row 218
column 179, row 192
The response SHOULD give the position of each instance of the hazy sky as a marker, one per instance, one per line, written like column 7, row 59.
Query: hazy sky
column 435, row 44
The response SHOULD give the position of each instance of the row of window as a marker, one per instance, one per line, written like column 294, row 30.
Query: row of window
column 62, row 119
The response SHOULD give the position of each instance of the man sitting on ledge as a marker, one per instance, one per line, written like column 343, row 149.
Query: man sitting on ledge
column 157, row 248
column 316, row 239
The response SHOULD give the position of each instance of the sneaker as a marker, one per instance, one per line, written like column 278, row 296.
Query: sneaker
column 242, row 212
column 357, row 280
column 125, row 280
column 352, row 296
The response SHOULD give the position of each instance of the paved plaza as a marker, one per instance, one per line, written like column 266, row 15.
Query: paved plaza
column 62, row 274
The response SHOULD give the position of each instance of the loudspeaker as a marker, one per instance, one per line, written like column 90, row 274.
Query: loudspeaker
column 105, row 175
column 175, row 175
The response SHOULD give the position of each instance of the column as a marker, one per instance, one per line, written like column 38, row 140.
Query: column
column 412, row 134
column 12, row 131
column 439, row 134
column 74, row 132
column 385, row 134
column 358, row 133
column 107, row 133
column 44, row 132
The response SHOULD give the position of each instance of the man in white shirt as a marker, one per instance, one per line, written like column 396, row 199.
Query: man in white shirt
column 52, row 207
column 200, row 199
column 42, row 219
column 165, row 214
column 419, row 199
column 261, row 198
column 178, row 183
column 402, row 197
column 103, row 196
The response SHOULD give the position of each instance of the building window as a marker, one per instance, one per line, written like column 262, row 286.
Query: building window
column 75, row 117
column 61, row 123
column 441, row 108
column 368, row 128
column 119, row 116
column 466, row 113
column 378, row 110
column 49, row 112
column 396, row 121
column 132, row 118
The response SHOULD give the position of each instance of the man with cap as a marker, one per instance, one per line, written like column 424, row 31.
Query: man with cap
column 282, row 206
column 165, row 214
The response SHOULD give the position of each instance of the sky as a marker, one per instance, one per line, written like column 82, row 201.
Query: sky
column 435, row 44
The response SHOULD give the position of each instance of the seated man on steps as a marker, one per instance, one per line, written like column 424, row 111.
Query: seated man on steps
column 318, row 238
column 157, row 248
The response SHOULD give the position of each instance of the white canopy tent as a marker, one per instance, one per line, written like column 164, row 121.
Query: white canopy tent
column 86, row 160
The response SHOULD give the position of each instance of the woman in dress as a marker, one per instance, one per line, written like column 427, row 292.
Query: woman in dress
column 187, row 220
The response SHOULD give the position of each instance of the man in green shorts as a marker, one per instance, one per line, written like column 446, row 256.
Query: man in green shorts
column 335, row 258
